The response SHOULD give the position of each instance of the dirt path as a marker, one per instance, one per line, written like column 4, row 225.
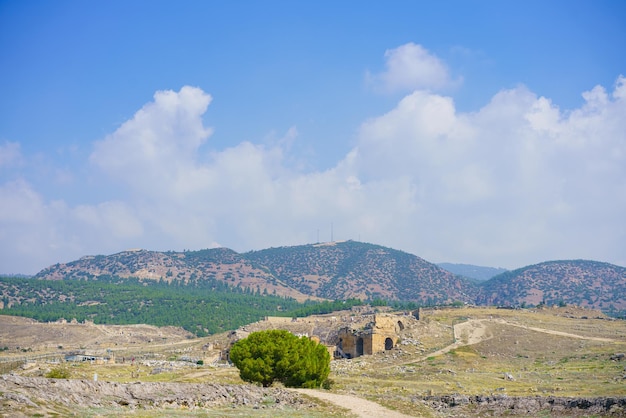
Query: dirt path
column 560, row 333
column 474, row 331
column 360, row 407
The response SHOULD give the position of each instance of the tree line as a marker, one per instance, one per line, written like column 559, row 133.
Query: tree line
column 204, row 307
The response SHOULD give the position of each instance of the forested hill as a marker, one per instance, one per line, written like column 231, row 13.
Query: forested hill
column 188, row 267
column 584, row 283
column 336, row 270
column 209, row 306
column 358, row 270
column 343, row 270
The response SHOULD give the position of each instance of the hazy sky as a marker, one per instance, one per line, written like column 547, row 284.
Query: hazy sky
column 482, row 132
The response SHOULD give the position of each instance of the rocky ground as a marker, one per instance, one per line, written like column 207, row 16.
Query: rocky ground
column 503, row 405
column 424, row 363
column 31, row 396
column 25, row 396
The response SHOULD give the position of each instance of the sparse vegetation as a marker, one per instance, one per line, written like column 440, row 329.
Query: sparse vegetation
column 343, row 270
column 60, row 372
column 547, row 353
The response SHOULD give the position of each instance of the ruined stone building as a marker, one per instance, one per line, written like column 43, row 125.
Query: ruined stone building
column 380, row 335
column 346, row 334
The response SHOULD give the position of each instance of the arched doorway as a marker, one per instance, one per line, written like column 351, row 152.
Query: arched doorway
column 400, row 325
column 359, row 347
column 388, row 344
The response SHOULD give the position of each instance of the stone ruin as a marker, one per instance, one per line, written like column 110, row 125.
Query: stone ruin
column 382, row 334
column 347, row 335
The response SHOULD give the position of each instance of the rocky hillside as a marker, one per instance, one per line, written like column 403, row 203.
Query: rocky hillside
column 189, row 266
column 350, row 269
column 584, row 283
column 342, row 270
column 337, row 270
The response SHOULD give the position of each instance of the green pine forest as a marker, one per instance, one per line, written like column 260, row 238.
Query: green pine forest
column 202, row 308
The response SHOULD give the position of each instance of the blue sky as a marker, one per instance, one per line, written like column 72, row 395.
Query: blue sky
column 482, row 132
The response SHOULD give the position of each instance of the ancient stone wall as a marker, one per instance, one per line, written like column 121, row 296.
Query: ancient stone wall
column 382, row 334
column 278, row 319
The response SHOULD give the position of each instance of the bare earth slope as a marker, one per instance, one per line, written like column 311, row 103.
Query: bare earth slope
column 38, row 338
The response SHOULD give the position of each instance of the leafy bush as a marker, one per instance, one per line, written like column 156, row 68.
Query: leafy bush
column 59, row 373
column 277, row 355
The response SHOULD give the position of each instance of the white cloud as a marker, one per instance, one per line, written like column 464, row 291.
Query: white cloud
column 155, row 150
column 411, row 67
column 109, row 218
column 37, row 233
column 518, row 181
column 20, row 203
column 10, row 154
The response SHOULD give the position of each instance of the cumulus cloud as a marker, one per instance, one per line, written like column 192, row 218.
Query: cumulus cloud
column 410, row 67
column 20, row 203
column 518, row 179
column 514, row 182
column 184, row 196
column 37, row 232
column 155, row 150
column 111, row 218
column 27, row 228
column 10, row 154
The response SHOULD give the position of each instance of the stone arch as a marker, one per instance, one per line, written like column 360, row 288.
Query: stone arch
column 359, row 346
column 388, row 343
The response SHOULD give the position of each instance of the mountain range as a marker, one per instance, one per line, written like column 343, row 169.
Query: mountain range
column 350, row 269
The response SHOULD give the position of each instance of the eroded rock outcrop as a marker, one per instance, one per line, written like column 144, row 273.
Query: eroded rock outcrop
column 503, row 405
column 30, row 394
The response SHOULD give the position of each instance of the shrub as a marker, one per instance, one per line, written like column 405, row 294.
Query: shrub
column 58, row 373
column 277, row 355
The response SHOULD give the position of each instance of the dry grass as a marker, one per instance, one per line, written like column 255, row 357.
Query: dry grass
column 539, row 363
column 325, row 410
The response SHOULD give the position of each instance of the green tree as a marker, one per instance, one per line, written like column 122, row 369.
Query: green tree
column 277, row 355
